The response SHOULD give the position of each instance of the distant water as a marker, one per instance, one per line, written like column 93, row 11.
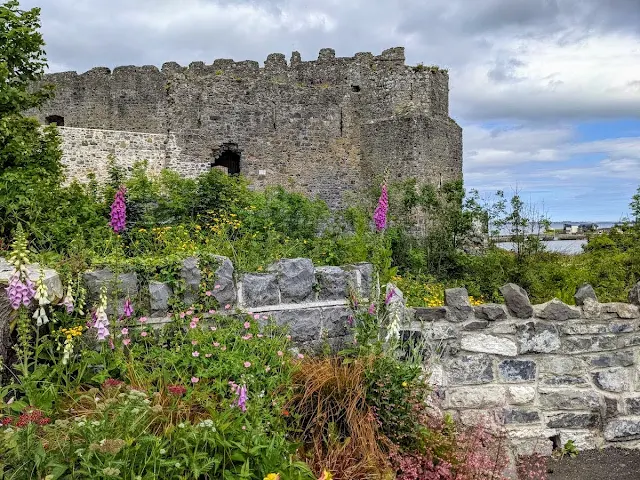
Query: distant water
column 568, row 247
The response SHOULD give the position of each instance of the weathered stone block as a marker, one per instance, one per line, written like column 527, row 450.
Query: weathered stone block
column 521, row 394
column 519, row 415
column 569, row 399
column 440, row 331
column 622, row 310
column 623, row 327
column 458, row 303
column 622, row 429
column 536, row 337
column 475, row 325
column 582, row 439
column 125, row 285
column 634, row 294
column 470, row 370
column 159, row 295
column 260, row 289
column 585, row 291
column 624, row 358
column 335, row 321
column 304, row 324
column 224, row 291
column 612, row 380
column 430, row 314
column 573, row 420
column 332, row 283
column 515, row 370
column 555, row 310
column 517, row 300
column 565, row 381
column 632, row 405
column 192, row 276
column 491, row 312
column 580, row 328
column 591, row 308
column 366, row 277
column 296, row 278
column 482, row 343
column 484, row 396
column 589, row 344
column 562, row 365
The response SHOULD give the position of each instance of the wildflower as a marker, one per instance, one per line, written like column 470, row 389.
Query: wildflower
column 119, row 211
column 194, row 342
column 42, row 296
column 267, row 369
column 223, row 348
column 260, row 335
column 162, row 451
column 124, row 331
column 247, row 325
column 227, row 306
column 100, row 319
column 68, row 300
column 288, row 337
column 195, row 319
column 300, row 356
column 142, row 319
column 143, row 334
column 208, row 293
column 189, row 312
column 244, row 427
column 213, row 328
column 177, row 390
column 350, row 320
column 126, row 341
column 380, row 214
column 247, row 364
column 326, row 475
column 182, row 314
column 241, row 401
column 404, row 384
column 280, row 353
column 195, row 379
column 389, row 296
column 272, row 476
column 212, row 312
column 195, row 353
column 372, row 309
column 256, row 316
column 216, row 287
column 193, row 325
column 128, row 308
column 216, row 344
column 208, row 355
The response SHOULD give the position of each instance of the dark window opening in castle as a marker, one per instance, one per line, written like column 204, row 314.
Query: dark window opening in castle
column 57, row 119
column 229, row 159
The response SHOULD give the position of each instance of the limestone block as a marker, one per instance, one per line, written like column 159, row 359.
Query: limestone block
column 227, row 293
column 484, row 396
column 430, row 314
column 593, row 343
column 519, row 415
column 612, row 380
column 565, row 381
column 332, row 283
column 622, row 429
column 296, row 278
column 516, row 370
column 591, row 308
column 260, row 289
column 555, row 310
column 583, row 328
column 622, row 310
column 457, row 300
column 585, row 291
column 517, row 300
column 573, row 420
column 536, row 337
column 470, row 370
column 521, row 394
column 440, row 331
column 491, row 312
column 475, row 325
column 366, row 277
column 125, row 285
column 192, row 276
column 159, row 295
column 335, row 321
column 582, row 439
column 624, row 358
column 304, row 324
column 563, row 365
column 482, row 343
column 569, row 399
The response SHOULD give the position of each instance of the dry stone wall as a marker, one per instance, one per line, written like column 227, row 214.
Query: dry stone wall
column 544, row 374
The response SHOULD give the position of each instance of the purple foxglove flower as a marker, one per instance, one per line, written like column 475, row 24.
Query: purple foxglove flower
column 128, row 308
column 20, row 293
column 390, row 295
column 119, row 211
column 242, row 398
column 372, row 309
column 350, row 320
column 101, row 323
column 380, row 214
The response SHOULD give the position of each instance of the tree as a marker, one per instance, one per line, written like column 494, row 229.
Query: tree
column 30, row 168
column 635, row 207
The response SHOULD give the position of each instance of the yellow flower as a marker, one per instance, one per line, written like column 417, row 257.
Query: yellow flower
column 404, row 384
column 272, row 476
column 326, row 475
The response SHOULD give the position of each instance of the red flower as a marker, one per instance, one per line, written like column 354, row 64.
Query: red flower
column 112, row 383
column 177, row 390
column 32, row 415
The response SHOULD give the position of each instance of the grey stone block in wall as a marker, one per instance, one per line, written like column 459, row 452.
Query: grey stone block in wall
column 430, row 314
column 622, row 429
column 512, row 416
column 573, row 420
column 192, row 276
column 335, row 321
column 457, row 301
column 470, row 370
column 304, row 324
column 227, row 293
column 584, row 291
column 51, row 278
column 366, row 277
column 491, row 312
column 612, row 380
column 593, row 343
column 621, row 310
column 332, row 283
column 516, row 370
column 296, row 278
column 159, row 295
column 634, row 294
column 569, row 399
column 483, row 343
column 565, row 381
column 517, row 300
column 125, row 285
column 633, row 405
column 624, row 358
column 260, row 289
column 537, row 337
column 555, row 310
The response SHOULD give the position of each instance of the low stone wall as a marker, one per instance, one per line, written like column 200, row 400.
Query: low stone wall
column 544, row 374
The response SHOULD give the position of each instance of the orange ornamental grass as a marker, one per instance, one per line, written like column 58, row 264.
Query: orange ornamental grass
column 338, row 429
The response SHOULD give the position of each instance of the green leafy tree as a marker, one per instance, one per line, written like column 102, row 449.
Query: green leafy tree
column 30, row 168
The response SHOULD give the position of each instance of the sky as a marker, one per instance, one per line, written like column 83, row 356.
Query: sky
column 547, row 91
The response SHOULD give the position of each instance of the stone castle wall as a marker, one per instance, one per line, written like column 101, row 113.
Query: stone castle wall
column 322, row 127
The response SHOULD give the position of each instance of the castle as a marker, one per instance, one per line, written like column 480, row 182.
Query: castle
column 323, row 127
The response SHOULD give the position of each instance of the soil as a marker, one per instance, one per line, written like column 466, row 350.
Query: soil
column 605, row 464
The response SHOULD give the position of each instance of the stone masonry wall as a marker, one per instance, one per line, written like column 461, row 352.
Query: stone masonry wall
column 307, row 124
column 545, row 373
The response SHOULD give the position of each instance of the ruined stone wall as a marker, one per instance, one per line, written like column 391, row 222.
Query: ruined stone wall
column 545, row 374
column 301, row 124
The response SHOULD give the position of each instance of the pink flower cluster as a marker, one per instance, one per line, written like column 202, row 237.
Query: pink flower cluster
column 128, row 308
column 380, row 213
column 100, row 323
column 241, row 392
column 20, row 292
column 119, row 211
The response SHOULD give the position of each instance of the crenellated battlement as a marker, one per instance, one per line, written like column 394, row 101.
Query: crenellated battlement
column 306, row 123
